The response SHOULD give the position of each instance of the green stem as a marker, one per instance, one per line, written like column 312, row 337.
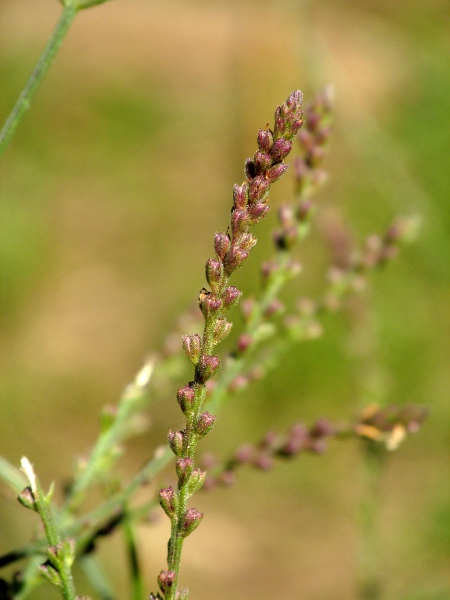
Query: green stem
column 137, row 585
column 369, row 578
column 37, row 75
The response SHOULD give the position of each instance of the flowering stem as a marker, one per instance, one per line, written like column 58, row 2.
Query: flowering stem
column 232, row 250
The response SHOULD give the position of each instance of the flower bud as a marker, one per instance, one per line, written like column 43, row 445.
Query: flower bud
column 175, row 440
column 280, row 149
column 208, row 303
column 227, row 478
column 240, row 196
column 258, row 189
column 239, row 221
column 234, row 259
column 184, row 468
column 221, row 244
column 221, row 330
column 196, row 481
column 207, row 367
column 275, row 172
column 204, row 424
column 244, row 342
column 186, row 398
column 191, row 521
column 168, row 500
column 231, row 297
column 257, row 211
column 192, row 345
column 166, row 580
column 262, row 162
column 214, row 273
column 265, row 140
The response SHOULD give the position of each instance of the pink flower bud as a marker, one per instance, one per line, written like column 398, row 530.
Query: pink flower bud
column 204, row 424
column 166, row 580
column 168, row 501
column 186, row 398
column 192, row 345
column 207, row 367
column 175, row 440
column 184, row 468
column 214, row 273
column 275, row 172
column 191, row 520
column 265, row 140
column 240, row 196
column 221, row 244
column 231, row 297
column 280, row 149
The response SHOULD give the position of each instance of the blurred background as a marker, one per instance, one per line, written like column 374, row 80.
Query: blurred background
column 111, row 192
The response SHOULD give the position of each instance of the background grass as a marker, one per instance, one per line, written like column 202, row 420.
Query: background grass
column 110, row 194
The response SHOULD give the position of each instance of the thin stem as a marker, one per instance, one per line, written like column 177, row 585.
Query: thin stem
column 137, row 585
column 369, row 579
column 37, row 75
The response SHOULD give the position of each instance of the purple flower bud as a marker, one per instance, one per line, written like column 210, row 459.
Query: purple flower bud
column 221, row 330
column 209, row 304
column 168, row 500
column 221, row 244
column 239, row 221
column 269, row 440
column 184, row 468
column 250, row 169
column 186, row 398
column 204, row 424
column 214, row 273
column 240, row 196
column 265, row 140
column 231, row 297
column 234, row 259
column 285, row 239
column 280, row 149
column 291, row 447
column 191, row 521
column 275, row 172
column 262, row 162
column 257, row 212
column 196, row 481
column 244, row 342
column 166, row 580
column 259, row 188
column 192, row 346
column 207, row 367
column 175, row 440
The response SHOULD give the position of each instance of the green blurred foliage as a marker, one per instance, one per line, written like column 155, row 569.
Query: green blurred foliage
column 111, row 192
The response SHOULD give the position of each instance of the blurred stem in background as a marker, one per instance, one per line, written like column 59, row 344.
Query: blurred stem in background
column 71, row 7
column 368, row 556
